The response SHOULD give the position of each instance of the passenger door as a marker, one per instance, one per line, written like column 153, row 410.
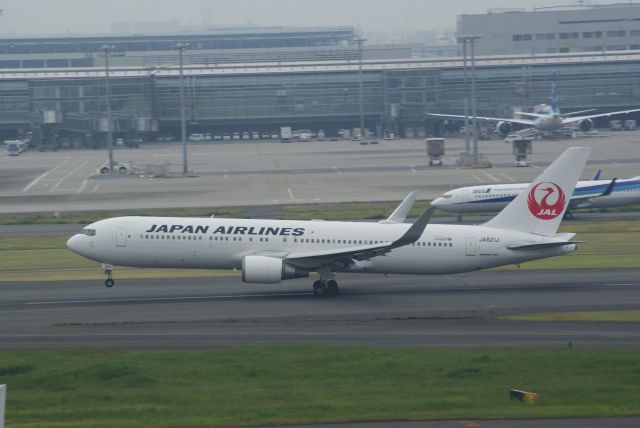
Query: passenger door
column 121, row 237
column 470, row 246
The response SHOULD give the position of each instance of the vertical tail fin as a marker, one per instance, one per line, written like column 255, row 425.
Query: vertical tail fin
column 541, row 207
column 554, row 96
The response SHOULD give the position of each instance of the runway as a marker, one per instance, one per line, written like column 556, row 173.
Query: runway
column 442, row 311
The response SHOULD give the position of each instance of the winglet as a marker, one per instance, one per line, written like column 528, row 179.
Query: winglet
column 596, row 176
column 415, row 231
column 401, row 212
column 609, row 188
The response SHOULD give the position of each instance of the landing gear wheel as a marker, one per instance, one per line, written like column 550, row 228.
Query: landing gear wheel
column 109, row 282
column 332, row 288
column 319, row 288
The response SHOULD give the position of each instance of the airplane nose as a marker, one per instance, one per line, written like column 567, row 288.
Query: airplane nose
column 74, row 243
column 436, row 202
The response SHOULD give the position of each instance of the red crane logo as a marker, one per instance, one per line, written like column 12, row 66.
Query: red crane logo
column 546, row 200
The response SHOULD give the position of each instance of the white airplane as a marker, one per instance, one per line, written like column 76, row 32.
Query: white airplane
column 587, row 194
column 548, row 119
column 270, row 251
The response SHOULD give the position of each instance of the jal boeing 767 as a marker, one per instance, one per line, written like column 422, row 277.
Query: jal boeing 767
column 270, row 251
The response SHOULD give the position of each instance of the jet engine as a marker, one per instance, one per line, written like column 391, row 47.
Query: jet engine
column 586, row 125
column 268, row 270
column 503, row 128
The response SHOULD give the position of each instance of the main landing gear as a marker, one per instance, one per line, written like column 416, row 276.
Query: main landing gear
column 326, row 288
column 108, row 270
column 326, row 285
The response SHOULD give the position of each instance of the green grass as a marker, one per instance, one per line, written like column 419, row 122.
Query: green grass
column 311, row 384
column 91, row 216
column 609, row 316
column 349, row 211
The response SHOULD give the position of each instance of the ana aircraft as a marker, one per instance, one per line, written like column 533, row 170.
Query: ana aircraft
column 587, row 194
column 270, row 251
column 547, row 119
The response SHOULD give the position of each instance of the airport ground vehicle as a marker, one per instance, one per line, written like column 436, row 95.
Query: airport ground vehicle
column 122, row 168
column 286, row 135
column 196, row 137
column 435, row 151
column 270, row 251
column 12, row 148
column 235, row 136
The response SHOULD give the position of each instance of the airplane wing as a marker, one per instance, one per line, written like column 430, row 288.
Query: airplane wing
column 495, row 119
column 400, row 213
column 531, row 114
column 577, row 112
column 577, row 201
column 345, row 257
column 568, row 120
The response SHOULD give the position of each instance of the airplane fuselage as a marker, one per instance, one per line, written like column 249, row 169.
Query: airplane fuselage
column 201, row 243
column 550, row 123
column 493, row 198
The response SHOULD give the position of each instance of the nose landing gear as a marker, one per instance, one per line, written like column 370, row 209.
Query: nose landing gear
column 108, row 270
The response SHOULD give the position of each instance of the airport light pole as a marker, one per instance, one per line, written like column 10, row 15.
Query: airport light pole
column 181, row 47
column 474, row 119
column 360, row 41
column 463, row 39
column 106, row 49
column 471, row 39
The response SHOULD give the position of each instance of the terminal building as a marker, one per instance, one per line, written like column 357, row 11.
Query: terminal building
column 561, row 29
column 67, row 105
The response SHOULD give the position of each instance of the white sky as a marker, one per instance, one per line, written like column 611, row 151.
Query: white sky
column 94, row 16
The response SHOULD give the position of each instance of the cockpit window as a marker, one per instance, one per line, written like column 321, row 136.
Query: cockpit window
column 447, row 196
column 88, row 232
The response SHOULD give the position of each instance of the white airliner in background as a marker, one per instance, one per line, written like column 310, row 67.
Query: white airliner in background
column 548, row 119
column 493, row 198
column 269, row 251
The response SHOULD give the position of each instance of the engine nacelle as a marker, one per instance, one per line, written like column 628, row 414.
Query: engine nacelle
column 586, row 125
column 503, row 128
column 268, row 270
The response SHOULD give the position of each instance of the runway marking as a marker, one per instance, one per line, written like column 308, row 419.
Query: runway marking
column 507, row 177
column 337, row 170
column 293, row 198
column 617, row 164
column 34, row 182
column 67, row 176
column 477, row 178
column 68, row 302
column 82, row 186
column 491, row 177
column 95, row 189
column 226, row 176
column 534, row 165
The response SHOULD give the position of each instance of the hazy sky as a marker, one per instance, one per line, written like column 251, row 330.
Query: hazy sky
column 95, row 16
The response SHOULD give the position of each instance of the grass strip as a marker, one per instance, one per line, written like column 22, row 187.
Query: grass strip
column 298, row 384
column 607, row 316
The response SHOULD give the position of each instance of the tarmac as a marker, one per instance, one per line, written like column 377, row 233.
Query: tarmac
column 258, row 173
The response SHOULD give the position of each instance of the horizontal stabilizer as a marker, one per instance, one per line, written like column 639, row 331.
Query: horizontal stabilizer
column 543, row 246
